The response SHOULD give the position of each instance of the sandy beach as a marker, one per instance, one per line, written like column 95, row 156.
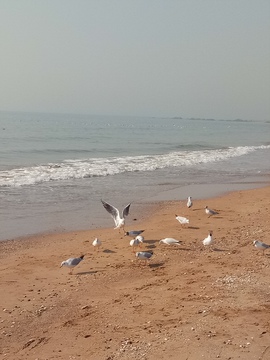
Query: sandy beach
column 189, row 302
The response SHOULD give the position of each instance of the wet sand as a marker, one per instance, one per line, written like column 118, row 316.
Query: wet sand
column 189, row 302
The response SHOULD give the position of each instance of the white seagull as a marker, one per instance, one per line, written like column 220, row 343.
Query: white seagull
column 118, row 220
column 210, row 212
column 260, row 245
column 209, row 239
column 189, row 202
column 71, row 263
column 169, row 241
column 144, row 255
column 134, row 243
column 133, row 232
column 182, row 219
column 140, row 238
column 96, row 243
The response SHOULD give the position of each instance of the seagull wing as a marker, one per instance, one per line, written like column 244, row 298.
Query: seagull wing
column 75, row 261
column 126, row 210
column 111, row 210
column 147, row 254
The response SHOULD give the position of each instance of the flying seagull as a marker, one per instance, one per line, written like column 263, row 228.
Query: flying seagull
column 210, row 212
column 118, row 220
column 189, row 202
column 260, row 245
column 71, row 263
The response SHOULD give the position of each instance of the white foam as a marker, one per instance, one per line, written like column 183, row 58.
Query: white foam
column 75, row 169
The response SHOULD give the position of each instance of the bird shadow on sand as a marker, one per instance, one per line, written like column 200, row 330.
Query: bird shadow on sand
column 87, row 272
column 108, row 251
column 151, row 246
column 220, row 250
column 178, row 248
column 156, row 265
column 150, row 241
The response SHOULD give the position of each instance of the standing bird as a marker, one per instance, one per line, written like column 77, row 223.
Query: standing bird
column 134, row 243
column 189, row 202
column 169, row 241
column 182, row 220
column 210, row 212
column 260, row 245
column 208, row 241
column 144, row 255
column 71, row 263
column 140, row 238
column 118, row 220
column 133, row 232
column 96, row 243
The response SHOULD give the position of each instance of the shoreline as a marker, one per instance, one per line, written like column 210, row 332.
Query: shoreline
column 178, row 193
column 188, row 300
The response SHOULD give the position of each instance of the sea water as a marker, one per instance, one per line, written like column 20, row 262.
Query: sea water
column 55, row 168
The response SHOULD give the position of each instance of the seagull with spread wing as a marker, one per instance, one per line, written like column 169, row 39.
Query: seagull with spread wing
column 114, row 212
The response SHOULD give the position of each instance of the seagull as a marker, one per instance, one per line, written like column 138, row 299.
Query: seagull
column 96, row 243
column 134, row 232
column 182, row 220
column 134, row 243
column 71, row 263
column 189, row 202
column 140, row 238
column 210, row 212
column 144, row 255
column 209, row 239
column 118, row 220
column 169, row 241
column 260, row 245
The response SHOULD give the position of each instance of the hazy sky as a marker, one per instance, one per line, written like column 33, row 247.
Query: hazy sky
column 190, row 58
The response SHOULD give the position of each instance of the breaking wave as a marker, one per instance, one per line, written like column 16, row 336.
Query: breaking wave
column 94, row 167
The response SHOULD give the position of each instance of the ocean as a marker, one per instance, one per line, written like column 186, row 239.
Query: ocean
column 55, row 168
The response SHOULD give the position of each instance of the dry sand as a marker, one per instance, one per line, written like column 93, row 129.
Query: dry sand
column 188, row 303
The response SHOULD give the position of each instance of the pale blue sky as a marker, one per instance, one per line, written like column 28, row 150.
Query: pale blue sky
column 190, row 58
